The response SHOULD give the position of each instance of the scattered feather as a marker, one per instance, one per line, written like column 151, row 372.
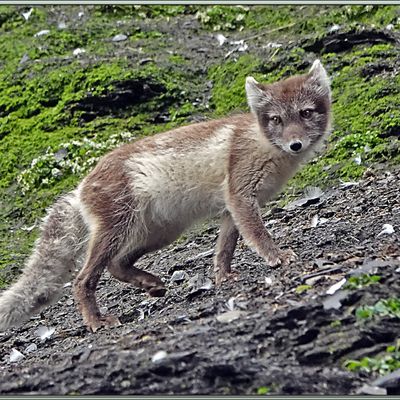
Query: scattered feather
column 387, row 230
column 16, row 356
column 334, row 288
column 41, row 33
column 28, row 228
column 272, row 45
column 348, row 184
column 312, row 195
column 314, row 221
column 62, row 25
column 334, row 28
column 31, row 348
column 68, row 284
column 44, row 332
column 221, row 39
column 159, row 356
column 27, row 14
column 81, row 14
column 268, row 281
column 231, row 304
column 142, row 314
column 357, row 159
column 78, row 51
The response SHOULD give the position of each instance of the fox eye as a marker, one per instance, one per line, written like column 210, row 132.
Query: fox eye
column 276, row 119
column 306, row 114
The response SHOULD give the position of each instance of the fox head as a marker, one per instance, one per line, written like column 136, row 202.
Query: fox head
column 294, row 114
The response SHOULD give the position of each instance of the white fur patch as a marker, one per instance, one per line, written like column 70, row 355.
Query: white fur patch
column 182, row 185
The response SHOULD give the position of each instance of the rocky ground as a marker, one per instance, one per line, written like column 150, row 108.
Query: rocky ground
column 273, row 330
column 326, row 324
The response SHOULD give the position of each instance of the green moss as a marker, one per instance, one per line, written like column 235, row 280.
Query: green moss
column 384, row 307
column 228, row 84
column 381, row 364
column 358, row 282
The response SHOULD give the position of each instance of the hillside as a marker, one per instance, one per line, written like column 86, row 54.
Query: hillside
column 79, row 80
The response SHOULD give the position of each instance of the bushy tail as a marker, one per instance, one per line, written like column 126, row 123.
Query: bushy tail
column 51, row 265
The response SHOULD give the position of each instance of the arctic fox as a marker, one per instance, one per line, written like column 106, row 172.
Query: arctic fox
column 141, row 196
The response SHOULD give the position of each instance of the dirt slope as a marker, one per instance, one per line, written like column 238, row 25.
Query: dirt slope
column 275, row 335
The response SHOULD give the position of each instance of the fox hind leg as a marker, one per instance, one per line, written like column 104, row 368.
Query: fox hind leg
column 98, row 257
column 121, row 267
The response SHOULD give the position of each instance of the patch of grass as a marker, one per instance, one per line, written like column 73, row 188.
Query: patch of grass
column 335, row 324
column 222, row 18
column 302, row 288
column 381, row 364
column 358, row 282
column 384, row 307
column 263, row 390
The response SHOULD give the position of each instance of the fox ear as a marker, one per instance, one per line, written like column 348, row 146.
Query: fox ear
column 318, row 75
column 255, row 94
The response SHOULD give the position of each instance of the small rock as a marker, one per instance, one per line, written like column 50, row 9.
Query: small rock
column 16, row 356
column 159, row 356
column 119, row 38
column 388, row 381
column 334, row 301
column 179, row 276
column 229, row 316
column 372, row 390
column 24, row 59
column 198, row 282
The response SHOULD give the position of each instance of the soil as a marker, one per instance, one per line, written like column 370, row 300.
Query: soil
column 254, row 331
column 268, row 329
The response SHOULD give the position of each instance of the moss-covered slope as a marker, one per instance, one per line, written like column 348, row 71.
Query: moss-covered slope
column 75, row 81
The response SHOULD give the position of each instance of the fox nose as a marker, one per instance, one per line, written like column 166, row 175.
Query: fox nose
column 296, row 146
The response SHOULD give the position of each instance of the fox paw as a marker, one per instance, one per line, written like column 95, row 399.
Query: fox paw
column 157, row 291
column 103, row 321
column 221, row 277
column 281, row 257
